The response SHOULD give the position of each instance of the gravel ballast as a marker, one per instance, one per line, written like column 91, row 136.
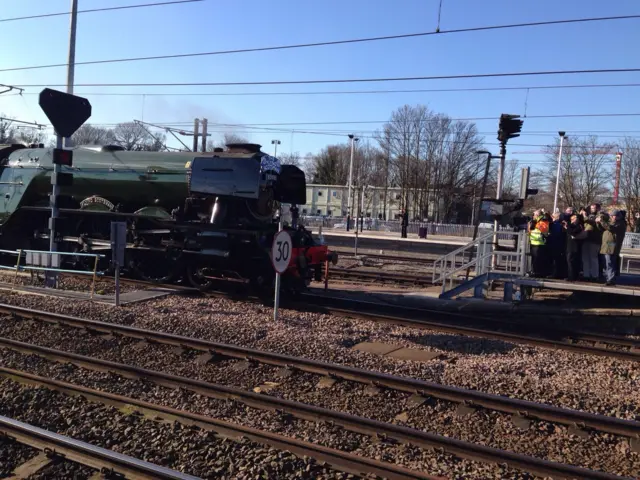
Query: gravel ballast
column 590, row 383
column 596, row 384
column 12, row 455
column 542, row 439
column 430, row 461
column 196, row 452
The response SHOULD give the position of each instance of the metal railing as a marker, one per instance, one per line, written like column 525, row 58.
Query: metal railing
column 45, row 261
column 479, row 255
column 395, row 226
column 631, row 240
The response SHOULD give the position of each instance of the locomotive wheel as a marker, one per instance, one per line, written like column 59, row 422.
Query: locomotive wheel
column 197, row 278
column 156, row 268
column 87, row 263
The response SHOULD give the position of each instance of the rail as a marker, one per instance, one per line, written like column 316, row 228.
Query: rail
column 338, row 459
column 303, row 411
column 40, row 260
column 409, row 385
column 85, row 453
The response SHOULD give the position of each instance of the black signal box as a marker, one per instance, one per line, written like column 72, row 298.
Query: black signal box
column 62, row 157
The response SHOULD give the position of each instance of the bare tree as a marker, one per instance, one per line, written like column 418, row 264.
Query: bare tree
column 331, row 165
column 129, row 135
column 30, row 136
column 89, row 134
column 292, row 158
column 431, row 158
column 585, row 171
column 630, row 175
column 511, row 179
column 7, row 132
column 133, row 136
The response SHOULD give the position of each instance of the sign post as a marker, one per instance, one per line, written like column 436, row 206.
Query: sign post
column 118, row 245
column 280, row 256
column 66, row 113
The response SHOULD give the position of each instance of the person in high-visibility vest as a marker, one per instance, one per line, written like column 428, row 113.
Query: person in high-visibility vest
column 538, row 231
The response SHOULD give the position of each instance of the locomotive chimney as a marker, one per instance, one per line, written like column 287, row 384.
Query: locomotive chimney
column 243, row 147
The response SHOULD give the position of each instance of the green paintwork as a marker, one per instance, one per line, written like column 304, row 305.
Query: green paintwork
column 152, row 183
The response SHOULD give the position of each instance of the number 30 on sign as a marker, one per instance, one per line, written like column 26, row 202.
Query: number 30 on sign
column 281, row 251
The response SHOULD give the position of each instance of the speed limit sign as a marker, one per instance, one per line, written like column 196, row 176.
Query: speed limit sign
column 281, row 251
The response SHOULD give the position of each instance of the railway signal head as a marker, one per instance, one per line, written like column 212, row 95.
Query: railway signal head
column 66, row 112
column 62, row 157
column 510, row 127
column 525, row 191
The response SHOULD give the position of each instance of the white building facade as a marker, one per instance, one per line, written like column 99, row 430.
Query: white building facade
column 331, row 201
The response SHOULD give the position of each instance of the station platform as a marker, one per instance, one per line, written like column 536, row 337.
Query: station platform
column 554, row 307
column 391, row 241
column 626, row 284
column 125, row 298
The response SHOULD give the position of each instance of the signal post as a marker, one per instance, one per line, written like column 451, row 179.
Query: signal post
column 66, row 113
column 509, row 127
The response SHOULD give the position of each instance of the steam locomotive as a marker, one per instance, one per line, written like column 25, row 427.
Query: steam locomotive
column 194, row 216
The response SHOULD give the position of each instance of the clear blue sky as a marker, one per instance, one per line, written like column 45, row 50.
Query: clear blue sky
column 224, row 24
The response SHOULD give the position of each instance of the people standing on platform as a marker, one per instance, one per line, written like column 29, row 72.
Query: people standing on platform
column 557, row 246
column 294, row 215
column 610, row 233
column 538, row 232
column 618, row 218
column 637, row 223
column 591, row 249
column 405, row 222
column 575, row 236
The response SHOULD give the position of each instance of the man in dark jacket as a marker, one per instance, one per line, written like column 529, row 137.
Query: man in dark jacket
column 621, row 220
column 557, row 246
column 405, row 222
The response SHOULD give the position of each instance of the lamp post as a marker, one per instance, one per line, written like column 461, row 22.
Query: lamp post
column 353, row 142
column 275, row 144
column 555, row 196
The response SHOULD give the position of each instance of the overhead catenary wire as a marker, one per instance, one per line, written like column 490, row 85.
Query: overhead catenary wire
column 95, row 10
column 349, row 92
column 329, row 42
column 363, row 122
column 350, row 80
column 223, row 128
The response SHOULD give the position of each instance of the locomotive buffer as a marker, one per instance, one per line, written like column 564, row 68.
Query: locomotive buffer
column 67, row 113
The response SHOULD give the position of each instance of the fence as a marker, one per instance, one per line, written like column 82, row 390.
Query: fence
column 37, row 260
column 394, row 226
column 631, row 240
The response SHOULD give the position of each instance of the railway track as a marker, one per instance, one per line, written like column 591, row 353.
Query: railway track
column 383, row 256
column 344, row 461
column 55, row 447
column 504, row 329
column 312, row 413
column 523, row 411
column 381, row 277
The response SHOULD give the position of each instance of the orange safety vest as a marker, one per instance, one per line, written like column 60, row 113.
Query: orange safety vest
column 543, row 226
